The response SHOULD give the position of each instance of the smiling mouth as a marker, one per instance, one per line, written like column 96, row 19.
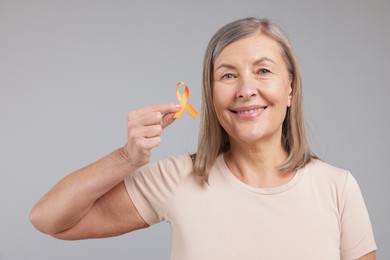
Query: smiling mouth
column 249, row 111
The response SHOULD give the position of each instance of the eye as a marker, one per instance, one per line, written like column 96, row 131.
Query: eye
column 228, row 76
column 264, row 71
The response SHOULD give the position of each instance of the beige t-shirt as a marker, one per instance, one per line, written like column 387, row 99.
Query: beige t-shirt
column 319, row 214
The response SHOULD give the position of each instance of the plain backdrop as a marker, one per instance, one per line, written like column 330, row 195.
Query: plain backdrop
column 71, row 70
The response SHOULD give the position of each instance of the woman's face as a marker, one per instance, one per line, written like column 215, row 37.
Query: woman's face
column 251, row 90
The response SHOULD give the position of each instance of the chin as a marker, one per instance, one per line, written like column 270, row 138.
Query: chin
column 249, row 140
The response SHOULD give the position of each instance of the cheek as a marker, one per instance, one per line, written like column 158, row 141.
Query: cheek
column 220, row 98
column 216, row 103
column 218, row 106
column 278, row 94
column 221, row 105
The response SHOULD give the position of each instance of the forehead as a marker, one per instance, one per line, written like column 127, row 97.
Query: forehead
column 251, row 48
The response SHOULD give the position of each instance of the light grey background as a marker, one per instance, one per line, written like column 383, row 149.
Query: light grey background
column 70, row 70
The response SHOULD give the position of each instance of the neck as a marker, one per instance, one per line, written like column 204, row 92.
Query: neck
column 257, row 164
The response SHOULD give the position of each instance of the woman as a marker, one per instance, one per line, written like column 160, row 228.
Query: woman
column 254, row 190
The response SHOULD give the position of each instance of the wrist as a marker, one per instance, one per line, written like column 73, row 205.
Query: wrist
column 126, row 160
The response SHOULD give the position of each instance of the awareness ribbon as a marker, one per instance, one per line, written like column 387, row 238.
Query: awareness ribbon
column 183, row 99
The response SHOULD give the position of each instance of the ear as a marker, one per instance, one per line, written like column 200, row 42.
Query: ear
column 289, row 98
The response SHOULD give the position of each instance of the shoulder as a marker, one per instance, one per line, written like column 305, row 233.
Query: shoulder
column 325, row 174
column 321, row 168
column 152, row 187
column 181, row 164
column 170, row 171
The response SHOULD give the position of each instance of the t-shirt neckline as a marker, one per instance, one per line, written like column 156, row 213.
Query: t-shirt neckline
column 266, row 191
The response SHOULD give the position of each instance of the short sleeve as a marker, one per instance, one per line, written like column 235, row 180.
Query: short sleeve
column 152, row 187
column 357, row 238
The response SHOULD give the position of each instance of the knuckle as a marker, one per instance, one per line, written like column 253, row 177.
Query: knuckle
column 132, row 131
column 158, row 128
column 158, row 115
column 155, row 108
column 130, row 124
column 140, row 143
column 132, row 137
column 157, row 141
column 130, row 115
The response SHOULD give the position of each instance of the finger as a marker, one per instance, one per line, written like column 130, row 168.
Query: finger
column 166, row 107
column 145, row 114
column 151, row 118
column 142, row 146
column 151, row 131
column 153, row 142
column 144, row 119
column 167, row 120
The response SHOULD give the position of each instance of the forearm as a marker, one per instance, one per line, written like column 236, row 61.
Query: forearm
column 72, row 204
column 71, row 198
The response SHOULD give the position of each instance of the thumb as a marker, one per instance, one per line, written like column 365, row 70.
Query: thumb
column 167, row 119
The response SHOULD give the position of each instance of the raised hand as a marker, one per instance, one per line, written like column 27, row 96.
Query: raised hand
column 144, row 128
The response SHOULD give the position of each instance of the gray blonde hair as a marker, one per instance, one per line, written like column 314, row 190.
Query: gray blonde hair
column 213, row 139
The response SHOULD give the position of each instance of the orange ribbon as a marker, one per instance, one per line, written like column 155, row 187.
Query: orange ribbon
column 183, row 99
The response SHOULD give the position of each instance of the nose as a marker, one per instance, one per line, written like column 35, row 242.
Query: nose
column 246, row 89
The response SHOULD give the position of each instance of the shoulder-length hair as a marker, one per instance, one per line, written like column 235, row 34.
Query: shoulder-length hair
column 213, row 139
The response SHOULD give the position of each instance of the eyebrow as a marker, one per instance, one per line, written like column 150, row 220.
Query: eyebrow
column 261, row 60
column 257, row 62
column 224, row 65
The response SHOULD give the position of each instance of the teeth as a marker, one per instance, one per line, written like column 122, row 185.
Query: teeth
column 248, row 112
